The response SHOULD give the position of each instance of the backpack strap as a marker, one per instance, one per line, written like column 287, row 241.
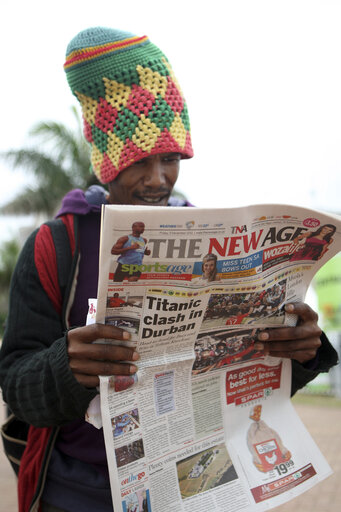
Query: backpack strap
column 63, row 252
column 65, row 239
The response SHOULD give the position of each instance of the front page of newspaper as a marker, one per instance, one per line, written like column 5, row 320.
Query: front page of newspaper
column 207, row 422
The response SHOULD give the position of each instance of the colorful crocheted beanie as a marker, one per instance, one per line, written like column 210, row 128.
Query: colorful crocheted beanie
column 131, row 101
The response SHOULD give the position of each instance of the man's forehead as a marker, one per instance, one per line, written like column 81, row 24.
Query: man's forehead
column 156, row 156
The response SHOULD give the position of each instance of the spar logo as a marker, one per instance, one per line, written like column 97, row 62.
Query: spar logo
column 133, row 478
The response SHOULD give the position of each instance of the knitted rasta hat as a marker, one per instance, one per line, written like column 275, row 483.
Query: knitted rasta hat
column 131, row 101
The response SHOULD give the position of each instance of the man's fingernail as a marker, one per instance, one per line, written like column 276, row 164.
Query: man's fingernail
column 126, row 335
column 133, row 368
column 259, row 346
column 289, row 308
column 263, row 336
column 136, row 356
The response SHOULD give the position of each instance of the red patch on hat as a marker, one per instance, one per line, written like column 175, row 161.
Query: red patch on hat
column 87, row 131
column 140, row 100
column 108, row 170
column 130, row 154
column 188, row 150
column 106, row 116
column 173, row 97
column 166, row 144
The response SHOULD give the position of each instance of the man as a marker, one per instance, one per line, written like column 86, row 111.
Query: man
column 131, row 249
column 136, row 120
column 115, row 301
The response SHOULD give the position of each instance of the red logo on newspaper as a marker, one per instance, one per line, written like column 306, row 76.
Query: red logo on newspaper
column 311, row 223
column 255, row 381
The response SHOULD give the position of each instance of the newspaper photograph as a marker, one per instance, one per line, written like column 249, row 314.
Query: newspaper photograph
column 207, row 422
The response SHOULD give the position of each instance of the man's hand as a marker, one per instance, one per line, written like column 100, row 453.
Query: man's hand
column 300, row 343
column 89, row 360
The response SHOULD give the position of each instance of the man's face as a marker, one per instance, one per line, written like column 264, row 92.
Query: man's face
column 137, row 228
column 149, row 181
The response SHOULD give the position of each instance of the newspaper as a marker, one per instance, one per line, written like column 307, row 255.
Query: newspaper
column 207, row 422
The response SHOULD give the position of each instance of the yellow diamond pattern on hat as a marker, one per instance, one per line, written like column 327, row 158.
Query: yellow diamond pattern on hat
column 146, row 134
column 96, row 160
column 89, row 107
column 178, row 130
column 116, row 94
column 115, row 146
column 152, row 81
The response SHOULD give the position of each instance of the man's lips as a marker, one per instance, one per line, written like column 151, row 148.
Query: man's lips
column 154, row 198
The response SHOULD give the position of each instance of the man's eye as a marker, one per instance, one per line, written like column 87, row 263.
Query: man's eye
column 171, row 158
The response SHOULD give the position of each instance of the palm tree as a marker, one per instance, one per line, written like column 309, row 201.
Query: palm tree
column 59, row 163
column 8, row 255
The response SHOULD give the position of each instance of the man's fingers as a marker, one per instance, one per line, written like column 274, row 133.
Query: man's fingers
column 101, row 352
column 304, row 312
column 301, row 332
column 289, row 347
column 87, row 360
column 95, row 368
column 93, row 332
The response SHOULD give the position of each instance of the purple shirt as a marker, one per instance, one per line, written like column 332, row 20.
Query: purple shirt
column 77, row 477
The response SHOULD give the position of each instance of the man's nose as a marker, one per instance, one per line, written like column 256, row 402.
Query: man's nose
column 155, row 176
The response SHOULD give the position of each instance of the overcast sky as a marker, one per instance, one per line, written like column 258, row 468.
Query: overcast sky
column 262, row 81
